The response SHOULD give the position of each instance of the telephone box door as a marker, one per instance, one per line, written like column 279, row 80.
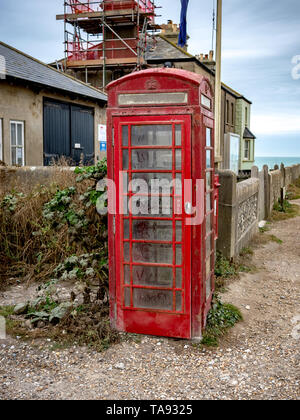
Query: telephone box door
column 153, row 240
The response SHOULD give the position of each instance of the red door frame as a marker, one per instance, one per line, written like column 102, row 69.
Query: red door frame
column 146, row 321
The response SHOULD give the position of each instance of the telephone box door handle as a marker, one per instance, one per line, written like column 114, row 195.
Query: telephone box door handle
column 188, row 208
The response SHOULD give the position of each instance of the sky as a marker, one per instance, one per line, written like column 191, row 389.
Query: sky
column 261, row 54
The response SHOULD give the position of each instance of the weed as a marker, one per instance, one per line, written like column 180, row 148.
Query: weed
column 221, row 317
column 293, row 192
column 274, row 238
column 290, row 211
column 246, row 251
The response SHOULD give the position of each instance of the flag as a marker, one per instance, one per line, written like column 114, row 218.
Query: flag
column 183, row 35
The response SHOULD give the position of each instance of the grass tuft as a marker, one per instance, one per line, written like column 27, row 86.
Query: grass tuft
column 221, row 318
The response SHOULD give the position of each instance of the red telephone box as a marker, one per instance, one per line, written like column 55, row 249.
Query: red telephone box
column 161, row 128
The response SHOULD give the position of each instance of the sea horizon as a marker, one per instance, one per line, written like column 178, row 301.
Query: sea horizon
column 271, row 161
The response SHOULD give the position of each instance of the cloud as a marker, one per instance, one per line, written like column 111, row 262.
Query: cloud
column 276, row 123
column 248, row 53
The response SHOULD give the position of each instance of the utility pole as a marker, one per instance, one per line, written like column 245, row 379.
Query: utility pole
column 218, row 87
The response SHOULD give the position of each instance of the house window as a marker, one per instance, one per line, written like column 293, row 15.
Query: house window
column 232, row 114
column 247, row 149
column 17, row 143
column 227, row 111
column 1, row 139
column 246, row 117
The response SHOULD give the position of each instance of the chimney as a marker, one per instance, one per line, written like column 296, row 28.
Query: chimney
column 171, row 32
column 207, row 59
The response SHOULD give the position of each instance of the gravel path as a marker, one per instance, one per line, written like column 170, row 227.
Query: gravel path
column 259, row 359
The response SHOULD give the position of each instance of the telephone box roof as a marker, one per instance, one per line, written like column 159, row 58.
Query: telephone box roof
column 175, row 73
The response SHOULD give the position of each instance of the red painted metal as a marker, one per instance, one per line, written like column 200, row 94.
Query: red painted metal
column 134, row 296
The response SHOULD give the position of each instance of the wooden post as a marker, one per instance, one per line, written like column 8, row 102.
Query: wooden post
column 218, row 87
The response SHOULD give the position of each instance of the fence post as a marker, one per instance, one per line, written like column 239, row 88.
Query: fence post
column 227, row 213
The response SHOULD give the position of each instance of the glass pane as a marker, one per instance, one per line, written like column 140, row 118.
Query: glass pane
column 125, row 181
column 208, row 224
column 178, row 278
column 152, row 159
column 208, row 159
column 208, row 246
column 126, row 274
column 178, row 254
column 178, row 160
column 20, row 134
column 125, row 135
column 19, row 156
column 208, row 181
column 156, row 182
column 13, row 134
column 126, row 252
column 126, row 229
column 13, row 156
column 178, row 301
column 208, row 203
column 152, row 276
column 178, row 231
column 153, row 299
column 127, row 297
column 152, row 230
column 208, row 137
column 151, row 135
column 125, row 205
column 179, row 185
column 178, row 135
column 208, row 267
column 151, row 206
column 125, row 160
column 152, row 253
column 208, row 287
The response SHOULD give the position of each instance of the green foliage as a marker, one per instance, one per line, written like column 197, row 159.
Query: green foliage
column 282, row 207
column 274, row 238
column 225, row 268
column 10, row 201
column 85, row 267
column 95, row 173
column 221, row 317
column 61, row 210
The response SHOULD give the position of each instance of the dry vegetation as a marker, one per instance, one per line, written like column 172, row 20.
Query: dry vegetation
column 53, row 234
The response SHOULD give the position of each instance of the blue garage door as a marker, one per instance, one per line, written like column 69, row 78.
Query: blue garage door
column 68, row 132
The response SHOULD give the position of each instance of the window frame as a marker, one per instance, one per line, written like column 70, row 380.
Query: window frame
column 248, row 157
column 22, row 147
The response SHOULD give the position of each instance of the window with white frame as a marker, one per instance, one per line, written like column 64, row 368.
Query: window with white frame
column 1, row 139
column 247, row 149
column 17, row 143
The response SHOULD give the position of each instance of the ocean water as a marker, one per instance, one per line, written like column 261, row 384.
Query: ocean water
column 272, row 161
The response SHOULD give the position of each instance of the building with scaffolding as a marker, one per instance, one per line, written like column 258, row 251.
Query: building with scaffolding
column 107, row 39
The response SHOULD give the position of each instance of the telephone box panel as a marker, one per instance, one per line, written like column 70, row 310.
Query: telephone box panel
column 162, row 233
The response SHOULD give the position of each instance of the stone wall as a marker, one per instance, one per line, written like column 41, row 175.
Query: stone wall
column 238, row 213
column 242, row 205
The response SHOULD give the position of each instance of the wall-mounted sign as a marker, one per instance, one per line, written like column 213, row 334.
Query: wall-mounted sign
column 102, row 133
column 103, row 146
column 205, row 101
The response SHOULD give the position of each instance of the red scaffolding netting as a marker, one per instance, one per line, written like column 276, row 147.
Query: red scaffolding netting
column 80, row 49
column 78, row 7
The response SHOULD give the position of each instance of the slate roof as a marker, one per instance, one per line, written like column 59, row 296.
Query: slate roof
column 164, row 49
column 22, row 66
column 248, row 134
